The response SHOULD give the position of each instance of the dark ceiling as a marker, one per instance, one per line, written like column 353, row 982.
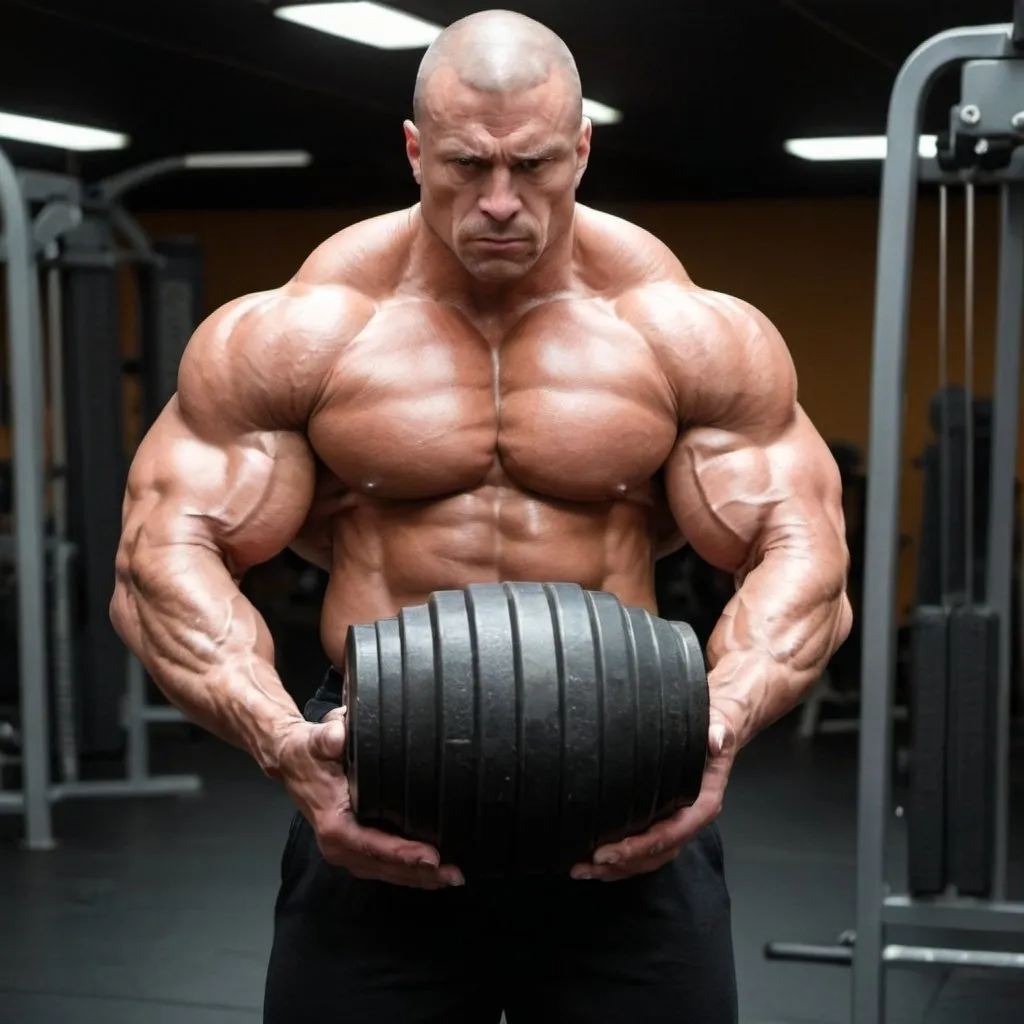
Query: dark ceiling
column 709, row 89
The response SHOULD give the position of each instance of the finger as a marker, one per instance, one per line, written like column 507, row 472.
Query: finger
column 407, row 878
column 336, row 714
column 627, row 869
column 716, row 738
column 651, row 843
column 452, row 875
column 382, row 846
column 425, row 876
column 670, row 834
column 327, row 741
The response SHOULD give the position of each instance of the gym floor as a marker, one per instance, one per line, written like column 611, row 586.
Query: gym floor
column 159, row 911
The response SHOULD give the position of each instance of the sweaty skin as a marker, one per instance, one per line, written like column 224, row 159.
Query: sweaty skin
column 497, row 384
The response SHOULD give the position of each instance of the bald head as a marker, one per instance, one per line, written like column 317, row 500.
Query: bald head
column 498, row 52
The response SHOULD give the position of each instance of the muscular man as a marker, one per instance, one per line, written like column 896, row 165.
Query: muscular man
column 497, row 384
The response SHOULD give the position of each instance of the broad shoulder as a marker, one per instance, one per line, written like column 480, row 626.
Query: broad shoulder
column 368, row 257
column 614, row 255
column 725, row 359
column 262, row 359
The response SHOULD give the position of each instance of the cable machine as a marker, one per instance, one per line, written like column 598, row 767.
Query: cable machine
column 961, row 654
column 79, row 689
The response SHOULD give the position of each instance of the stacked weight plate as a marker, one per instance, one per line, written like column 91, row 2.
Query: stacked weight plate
column 519, row 726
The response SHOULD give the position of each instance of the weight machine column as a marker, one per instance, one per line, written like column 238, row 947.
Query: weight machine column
column 27, row 401
column 96, row 471
column 888, row 395
column 1002, row 504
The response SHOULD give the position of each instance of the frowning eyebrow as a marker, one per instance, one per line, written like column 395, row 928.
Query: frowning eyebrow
column 549, row 152
column 552, row 151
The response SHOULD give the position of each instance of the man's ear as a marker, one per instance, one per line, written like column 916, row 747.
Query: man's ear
column 583, row 149
column 413, row 150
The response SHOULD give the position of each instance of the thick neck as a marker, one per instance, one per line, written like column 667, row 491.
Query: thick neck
column 437, row 270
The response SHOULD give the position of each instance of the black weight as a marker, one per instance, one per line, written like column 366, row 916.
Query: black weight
column 973, row 681
column 618, row 716
column 539, row 728
column 497, row 768
column 453, row 653
column 421, row 695
column 363, row 743
column 690, row 674
column 523, row 725
column 392, row 724
column 926, row 797
column 674, row 717
column 581, row 763
column 648, row 686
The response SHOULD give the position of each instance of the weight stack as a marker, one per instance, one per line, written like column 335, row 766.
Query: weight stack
column 517, row 727
column 926, row 798
column 973, row 685
column 97, row 472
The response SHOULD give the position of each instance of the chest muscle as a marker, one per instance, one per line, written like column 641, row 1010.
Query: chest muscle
column 571, row 404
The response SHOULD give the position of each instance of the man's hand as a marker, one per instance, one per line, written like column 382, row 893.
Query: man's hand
column 311, row 769
column 662, row 843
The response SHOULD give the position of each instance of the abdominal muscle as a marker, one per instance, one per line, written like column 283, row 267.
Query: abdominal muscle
column 391, row 554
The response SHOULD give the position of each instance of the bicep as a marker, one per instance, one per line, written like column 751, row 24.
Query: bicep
column 242, row 495
column 736, row 499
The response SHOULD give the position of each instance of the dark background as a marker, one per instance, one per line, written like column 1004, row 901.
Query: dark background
column 158, row 911
column 709, row 89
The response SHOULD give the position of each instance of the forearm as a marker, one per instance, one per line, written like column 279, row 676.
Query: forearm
column 205, row 646
column 776, row 636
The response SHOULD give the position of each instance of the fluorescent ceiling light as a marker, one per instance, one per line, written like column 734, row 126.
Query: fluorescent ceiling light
column 224, row 161
column 57, row 133
column 363, row 22
column 599, row 113
column 853, row 147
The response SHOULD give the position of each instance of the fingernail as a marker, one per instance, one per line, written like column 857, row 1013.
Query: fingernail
column 656, row 849
column 581, row 874
column 606, row 858
column 717, row 738
column 426, row 862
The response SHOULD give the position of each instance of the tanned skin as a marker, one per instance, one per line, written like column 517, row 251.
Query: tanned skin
column 497, row 384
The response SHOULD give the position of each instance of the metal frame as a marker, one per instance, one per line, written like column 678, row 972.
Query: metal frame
column 876, row 908
column 26, row 369
column 27, row 248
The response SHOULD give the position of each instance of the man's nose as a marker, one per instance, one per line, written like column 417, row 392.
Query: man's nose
column 500, row 201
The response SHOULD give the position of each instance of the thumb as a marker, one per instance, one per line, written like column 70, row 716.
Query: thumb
column 327, row 742
column 721, row 736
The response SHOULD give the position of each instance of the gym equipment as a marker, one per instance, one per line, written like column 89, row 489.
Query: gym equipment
column 972, row 728
column 66, row 523
column 519, row 726
column 953, row 671
column 926, row 798
column 983, row 149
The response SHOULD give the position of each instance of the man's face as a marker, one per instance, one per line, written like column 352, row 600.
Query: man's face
column 498, row 173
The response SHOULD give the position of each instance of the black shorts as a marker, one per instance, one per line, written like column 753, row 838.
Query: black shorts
column 653, row 949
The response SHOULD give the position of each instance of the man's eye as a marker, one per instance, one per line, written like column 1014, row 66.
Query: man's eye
column 530, row 165
column 466, row 161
